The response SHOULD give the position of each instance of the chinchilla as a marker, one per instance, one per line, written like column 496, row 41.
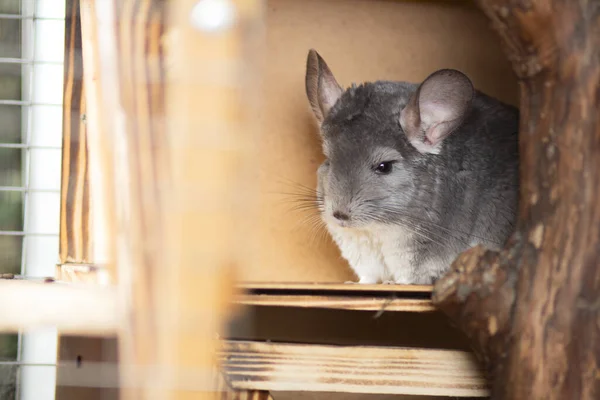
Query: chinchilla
column 414, row 173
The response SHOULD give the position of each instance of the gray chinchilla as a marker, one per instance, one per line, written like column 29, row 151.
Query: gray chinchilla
column 414, row 174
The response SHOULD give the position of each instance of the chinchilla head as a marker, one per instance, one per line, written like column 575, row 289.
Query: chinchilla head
column 381, row 141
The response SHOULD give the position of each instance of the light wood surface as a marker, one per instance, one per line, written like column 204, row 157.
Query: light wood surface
column 360, row 369
column 381, row 298
column 177, row 155
column 333, row 287
column 78, row 309
column 75, row 216
column 97, row 132
column 381, row 304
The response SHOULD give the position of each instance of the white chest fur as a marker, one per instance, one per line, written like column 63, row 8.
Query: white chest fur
column 376, row 254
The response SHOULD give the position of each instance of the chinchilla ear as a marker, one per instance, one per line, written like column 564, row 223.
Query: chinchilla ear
column 321, row 87
column 436, row 109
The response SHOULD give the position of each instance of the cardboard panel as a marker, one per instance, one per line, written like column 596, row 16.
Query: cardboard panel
column 360, row 40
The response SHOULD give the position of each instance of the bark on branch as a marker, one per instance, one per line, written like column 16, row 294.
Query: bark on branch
column 533, row 310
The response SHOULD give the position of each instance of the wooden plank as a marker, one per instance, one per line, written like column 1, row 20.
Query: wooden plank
column 81, row 253
column 333, row 287
column 357, row 369
column 131, row 70
column 171, row 101
column 75, row 199
column 99, row 167
column 74, row 309
column 380, row 304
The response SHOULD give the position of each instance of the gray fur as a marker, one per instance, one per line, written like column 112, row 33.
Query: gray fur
column 445, row 203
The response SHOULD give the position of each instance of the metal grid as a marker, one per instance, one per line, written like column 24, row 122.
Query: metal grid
column 40, row 105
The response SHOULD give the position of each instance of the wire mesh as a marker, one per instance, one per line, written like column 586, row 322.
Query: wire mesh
column 30, row 136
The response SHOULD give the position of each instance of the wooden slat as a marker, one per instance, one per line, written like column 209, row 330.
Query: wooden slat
column 171, row 125
column 377, row 370
column 81, row 254
column 75, row 199
column 131, row 72
column 334, row 287
column 97, row 133
column 75, row 309
column 337, row 302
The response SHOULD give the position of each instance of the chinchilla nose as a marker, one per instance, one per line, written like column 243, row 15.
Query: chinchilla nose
column 341, row 216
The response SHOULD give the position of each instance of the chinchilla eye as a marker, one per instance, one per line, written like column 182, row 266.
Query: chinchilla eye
column 384, row 168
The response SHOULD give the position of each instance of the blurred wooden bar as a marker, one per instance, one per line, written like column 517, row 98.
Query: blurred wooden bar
column 75, row 197
column 77, row 309
column 83, row 253
column 83, row 222
column 170, row 97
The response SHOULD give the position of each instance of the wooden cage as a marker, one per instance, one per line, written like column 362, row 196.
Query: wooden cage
column 184, row 273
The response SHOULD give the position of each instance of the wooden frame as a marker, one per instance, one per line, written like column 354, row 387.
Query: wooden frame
column 492, row 305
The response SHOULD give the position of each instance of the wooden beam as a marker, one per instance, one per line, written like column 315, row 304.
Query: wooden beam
column 82, row 256
column 97, row 133
column 356, row 369
column 380, row 304
column 338, row 288
column 172, row 104
column 75, row 309
column 75, row 197
column 406, row 298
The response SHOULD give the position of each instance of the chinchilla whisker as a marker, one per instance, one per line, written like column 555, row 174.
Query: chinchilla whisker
column 304, row 207
column 300, row 200
column 299, row 186
column 303, row 202
column 297, row 195
column 309, row 221
column 316, row 229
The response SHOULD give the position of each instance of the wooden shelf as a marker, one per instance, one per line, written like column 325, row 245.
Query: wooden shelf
column 351, row 369
column 334, row 287
column 405, row 298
